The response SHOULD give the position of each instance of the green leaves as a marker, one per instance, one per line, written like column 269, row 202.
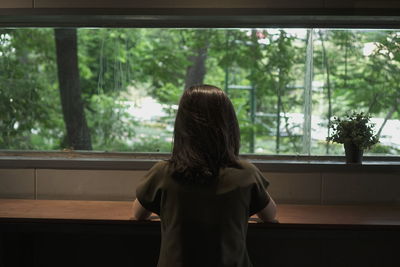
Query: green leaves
column 110, row 122
column 355, row 128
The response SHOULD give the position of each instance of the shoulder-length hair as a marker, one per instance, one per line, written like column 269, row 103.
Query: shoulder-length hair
column 206, row 135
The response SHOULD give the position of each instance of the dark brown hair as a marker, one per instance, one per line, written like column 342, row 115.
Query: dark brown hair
column 206, row 135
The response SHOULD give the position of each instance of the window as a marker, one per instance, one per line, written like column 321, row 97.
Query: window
column 117, row 89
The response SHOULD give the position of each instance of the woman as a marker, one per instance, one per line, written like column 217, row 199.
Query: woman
column 204, row 193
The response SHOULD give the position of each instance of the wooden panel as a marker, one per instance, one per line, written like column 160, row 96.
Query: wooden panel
column 16, row 3
column 65, row 209
column 120, row 210
column 178, row 4
column 361, row 4
column 87, row 184
column 17, row 183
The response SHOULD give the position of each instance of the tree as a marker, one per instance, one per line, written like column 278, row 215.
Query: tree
column 386, row 63
column 196, row 71
column 274, row 79
column 78, row 135
column 27, row 91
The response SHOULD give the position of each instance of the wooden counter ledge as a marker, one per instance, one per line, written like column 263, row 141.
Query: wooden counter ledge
column 18, row 210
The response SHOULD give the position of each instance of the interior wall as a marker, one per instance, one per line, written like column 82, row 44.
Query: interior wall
column 120, row 185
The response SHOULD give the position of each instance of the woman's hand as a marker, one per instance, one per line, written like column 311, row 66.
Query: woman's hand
column 139, row 212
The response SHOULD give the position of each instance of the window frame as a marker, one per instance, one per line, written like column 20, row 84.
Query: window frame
column 195, row 18
column 367, row 18
column 99, row 160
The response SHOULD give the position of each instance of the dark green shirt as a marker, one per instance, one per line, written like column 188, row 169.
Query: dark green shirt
column 204, row 225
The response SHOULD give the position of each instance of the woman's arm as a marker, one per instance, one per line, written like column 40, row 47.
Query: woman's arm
column 139, row 212
column 268, row 214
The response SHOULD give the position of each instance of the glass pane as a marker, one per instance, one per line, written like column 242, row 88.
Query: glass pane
column 356, row 71
column 118, row 89
column 266, row 84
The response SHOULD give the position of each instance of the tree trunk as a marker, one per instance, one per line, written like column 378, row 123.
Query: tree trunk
column 197, row 70
column 78, row 136
column 290, row 135
column 388, row 117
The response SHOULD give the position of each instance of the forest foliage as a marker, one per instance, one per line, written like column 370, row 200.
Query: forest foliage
column 262, row 70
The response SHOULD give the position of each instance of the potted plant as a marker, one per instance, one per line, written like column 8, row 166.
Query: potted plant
column 356, row 133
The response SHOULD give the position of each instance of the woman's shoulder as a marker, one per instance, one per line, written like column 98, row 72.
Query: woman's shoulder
column 247, row 165
column 244, row 176
column 160, row 165
column 246, row 170
column 157, row 172
column 253, row 174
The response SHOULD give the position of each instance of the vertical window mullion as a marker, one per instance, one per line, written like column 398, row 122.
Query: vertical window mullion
column 308, row 93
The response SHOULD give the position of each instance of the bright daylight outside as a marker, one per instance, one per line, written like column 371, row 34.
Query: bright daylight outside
column 126, row 85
